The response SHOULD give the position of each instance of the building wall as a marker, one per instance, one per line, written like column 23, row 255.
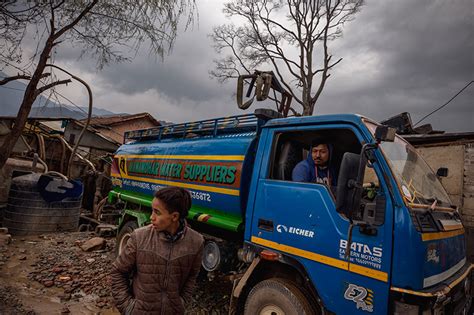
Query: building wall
column 89, row 139
column 452, row 157
column 468, row 184
column 459, row 159
column 119, row 129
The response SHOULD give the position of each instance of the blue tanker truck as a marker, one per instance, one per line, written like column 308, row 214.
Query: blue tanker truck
column 386, row 240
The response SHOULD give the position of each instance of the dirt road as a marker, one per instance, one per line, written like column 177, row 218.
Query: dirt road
column 51, row 274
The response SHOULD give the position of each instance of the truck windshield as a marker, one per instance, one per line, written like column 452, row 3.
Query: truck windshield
column 417, row 181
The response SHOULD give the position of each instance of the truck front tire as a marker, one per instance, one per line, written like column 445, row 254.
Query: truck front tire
column 124, row 235
column 277, row 296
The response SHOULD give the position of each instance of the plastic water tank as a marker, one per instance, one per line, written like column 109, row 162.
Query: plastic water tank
column 28, row 213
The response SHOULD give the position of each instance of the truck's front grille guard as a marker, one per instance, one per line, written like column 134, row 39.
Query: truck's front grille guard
column 213, row 127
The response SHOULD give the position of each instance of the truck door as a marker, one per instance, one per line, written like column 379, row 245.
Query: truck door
column 299, row 219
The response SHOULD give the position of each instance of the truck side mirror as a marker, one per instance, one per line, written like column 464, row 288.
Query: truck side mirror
column 349, row 189
column 385, row 133
column 442, row 172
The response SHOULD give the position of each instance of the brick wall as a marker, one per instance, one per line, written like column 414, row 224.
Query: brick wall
column 467, row 211
column 459, row 159
column 468, row 185
column 452, row 157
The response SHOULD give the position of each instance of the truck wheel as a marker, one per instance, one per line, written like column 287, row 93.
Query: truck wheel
column 276, row 297
column 124, row 235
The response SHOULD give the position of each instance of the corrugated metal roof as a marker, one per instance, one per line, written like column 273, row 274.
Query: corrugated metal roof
column 439, row 138
column 53, row 124
column 114, row 119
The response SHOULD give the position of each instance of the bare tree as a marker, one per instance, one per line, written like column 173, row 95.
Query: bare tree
column 109, row 31
column 290, row 36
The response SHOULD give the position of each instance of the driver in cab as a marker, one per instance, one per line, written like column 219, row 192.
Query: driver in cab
column 316, row 168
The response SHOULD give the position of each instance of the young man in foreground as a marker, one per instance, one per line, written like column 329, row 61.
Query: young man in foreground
column 163, row 257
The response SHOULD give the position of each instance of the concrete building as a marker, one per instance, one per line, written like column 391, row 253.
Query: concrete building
column 454, row 151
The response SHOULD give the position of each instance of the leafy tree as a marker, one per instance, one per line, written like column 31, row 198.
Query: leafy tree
column 290, row 36
column 108, row 31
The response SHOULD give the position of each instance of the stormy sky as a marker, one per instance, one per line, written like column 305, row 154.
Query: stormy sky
column 398, row 56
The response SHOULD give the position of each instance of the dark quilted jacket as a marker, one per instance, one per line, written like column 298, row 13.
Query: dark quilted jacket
column 164, row 272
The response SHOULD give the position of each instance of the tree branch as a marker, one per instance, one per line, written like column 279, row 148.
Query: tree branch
column 21, row 77
column 48, row 86
column 76, row 20
column 16, row 77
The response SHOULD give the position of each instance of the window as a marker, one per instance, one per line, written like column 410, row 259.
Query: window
column 290, row 148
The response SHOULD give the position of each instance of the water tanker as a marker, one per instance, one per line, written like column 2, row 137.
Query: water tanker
column 386, row 239
column 215, row 168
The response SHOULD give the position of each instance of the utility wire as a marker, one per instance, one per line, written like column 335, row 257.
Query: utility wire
column 452, row 98
column 80, row 112
column 10, row 88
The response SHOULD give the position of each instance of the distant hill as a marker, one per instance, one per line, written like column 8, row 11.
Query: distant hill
column 56, row 110
column 11, row 95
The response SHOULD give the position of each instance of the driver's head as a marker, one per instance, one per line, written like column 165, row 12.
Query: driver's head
column 320, row 154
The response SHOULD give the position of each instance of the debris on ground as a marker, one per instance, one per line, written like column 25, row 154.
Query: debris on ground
column 53, row 274
column 210, row 297
column 67, row 267
column 50, row 274
column 10, row 303
column 95, row 243
column 5, row 238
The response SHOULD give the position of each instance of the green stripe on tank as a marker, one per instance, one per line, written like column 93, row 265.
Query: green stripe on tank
column 217, row 218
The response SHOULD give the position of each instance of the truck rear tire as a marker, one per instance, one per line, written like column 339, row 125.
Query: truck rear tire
column 276, row 297
column 124, row 235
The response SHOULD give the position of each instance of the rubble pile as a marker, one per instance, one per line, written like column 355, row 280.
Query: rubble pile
column 72, row 270
column 210, row 297
column 79, row 269
column 11, row 304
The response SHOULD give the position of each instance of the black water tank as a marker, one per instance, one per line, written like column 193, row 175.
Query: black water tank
column 27, row 213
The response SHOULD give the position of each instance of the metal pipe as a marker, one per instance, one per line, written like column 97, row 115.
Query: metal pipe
column 87, row 121
column 44, row 164
column 41, row 146
column 36, row 156
column 63, row 156
column 26, row 143
column 77, row 154
column 58, row 174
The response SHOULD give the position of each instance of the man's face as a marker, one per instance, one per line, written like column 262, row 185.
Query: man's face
column 320, row 154
column 161, row 218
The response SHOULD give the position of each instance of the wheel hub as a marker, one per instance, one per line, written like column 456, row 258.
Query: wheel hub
column 271, row 310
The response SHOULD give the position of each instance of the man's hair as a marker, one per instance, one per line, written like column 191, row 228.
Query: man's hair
column 315, row 143
column 176, row 199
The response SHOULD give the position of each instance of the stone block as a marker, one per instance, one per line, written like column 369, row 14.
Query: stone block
column 95, row 243
column 5, row 239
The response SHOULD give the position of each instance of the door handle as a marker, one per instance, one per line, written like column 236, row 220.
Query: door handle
column 266, row 225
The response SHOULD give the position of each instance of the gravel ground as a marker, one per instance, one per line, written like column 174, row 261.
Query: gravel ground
column 51, row 274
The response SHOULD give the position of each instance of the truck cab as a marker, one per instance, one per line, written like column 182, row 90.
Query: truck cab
column 384, row 240
column 399, row 247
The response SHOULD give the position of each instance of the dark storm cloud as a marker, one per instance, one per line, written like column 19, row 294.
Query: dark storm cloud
column 399, row 56
column 418, row 55
column 182, row 73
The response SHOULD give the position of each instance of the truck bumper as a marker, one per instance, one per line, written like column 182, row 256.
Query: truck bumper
column 453, row 296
